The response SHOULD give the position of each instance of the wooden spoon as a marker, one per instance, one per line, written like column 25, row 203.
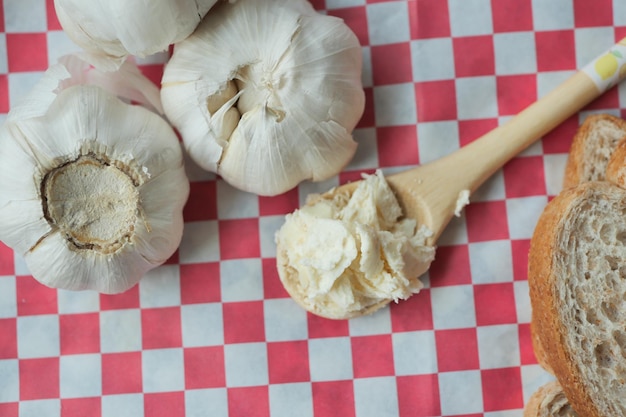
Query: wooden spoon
column 429, row 193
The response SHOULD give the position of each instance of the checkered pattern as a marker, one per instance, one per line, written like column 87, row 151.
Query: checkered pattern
column 213, row 332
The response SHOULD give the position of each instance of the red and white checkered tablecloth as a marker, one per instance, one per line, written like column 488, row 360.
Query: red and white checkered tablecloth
column 213, row 333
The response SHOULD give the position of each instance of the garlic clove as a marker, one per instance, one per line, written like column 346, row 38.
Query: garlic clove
column 298, row 76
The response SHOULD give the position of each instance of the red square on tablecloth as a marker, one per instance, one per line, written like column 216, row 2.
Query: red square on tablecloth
column 7, row 264
column 495, row 304
column 318, row 4
column 559, row 139
column 39, row 378
column 281, row 204
column 391, row 64
column 450, row 357
column 53, row 22
column 272, row 287
column 285, row 362
column 239, row 238
column 524, row 177
column 502, row 389
column 121, row 373
column 515, row 93
column 368, row 119
column 35, row 298
column 512, row 15
column 153, row 72
column 27, row 52
column 81, row 407
column 160, row 328
column 470, row 130
column 418, row 396
column 321, row 327
column 8, row 409
column 397, row 146
column 350, row 176
column 200, row 283
column 4, row 101
column 487, row 221
column 244, row 322
column 435, row 100
column 79, row 333
column 590, row 14
column 372, row 356
column 8, row 341
column 249, row 401
column 519, row 251
column 608, row 100
column 450, row 267
column 202, row 202
column 2, row 16
column 326, row 395
column 474, row 56
column 356, row 19
column 527, row 352
column 127, row 299
column 164, row 404
column 555, row 50
column 435, row 13
column 204, row 367
column 413, row 314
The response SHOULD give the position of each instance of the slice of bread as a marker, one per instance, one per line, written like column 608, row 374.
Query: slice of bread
column 577, row 281
column 549, row 401
column 591, row 148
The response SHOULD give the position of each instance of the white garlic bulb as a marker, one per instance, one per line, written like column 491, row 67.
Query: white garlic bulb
column 91, row 188
column 109, row 30
column 267, row 94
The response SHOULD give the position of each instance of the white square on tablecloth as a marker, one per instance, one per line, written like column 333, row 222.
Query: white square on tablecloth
column 8, row 304
column 591, row 42
column 120, row 331
column 37, row 408
column 506, row 413
column 548, row 81
column 246, row 364
column 437, row 139
column 4, row 60
column 202, row 325
column 338, row 4
column 289, row 400
column 414, row 353
column 123, row 405
column 20, row 265
column 515, row 53
column 10, row 388
column 553, row 14
column 367, row 75
column 25, row 16
column 621, row 92
column 58, row 45
column 619, row 13
column 268, row 226
column 200, row 243
column 395, row 105
column 241, row 280
column 492, row 190
column 308, row 187
column 160, row 287
column 455, row 232
column 460, row 392
column 522, row 215
column 432, row 59
column 163, row 370
column 70, row 302
column 20, row 84
column 285, row 320
column 198, row 402
column 498, row 346
column 371, row 324
column 388, row 22
column 554, row 171
column 491, row 262
column 330, row 359
column 453, row 307
column 470, row 17
column 523, row 308
column 477, row 98
column 233, row 204
column 375, row 397
column 533, row 376
column 81, row 376
column 38, row 336
column 366, row 156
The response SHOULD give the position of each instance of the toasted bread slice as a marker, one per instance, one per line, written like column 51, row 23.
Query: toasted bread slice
column 577, row 281
column 591, row 148
column 549, row 401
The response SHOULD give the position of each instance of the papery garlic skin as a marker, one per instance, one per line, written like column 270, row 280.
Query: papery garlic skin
column 350, row 255
column 91, row 188
column 110, row 30
column 267, row 94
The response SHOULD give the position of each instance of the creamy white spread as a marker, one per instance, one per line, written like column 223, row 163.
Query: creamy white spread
column 345, row 255
column 461, row 201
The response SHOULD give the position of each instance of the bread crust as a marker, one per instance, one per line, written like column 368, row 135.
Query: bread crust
column 542, row 281
column 616, row 168
column 576, row 159
column 540, row 401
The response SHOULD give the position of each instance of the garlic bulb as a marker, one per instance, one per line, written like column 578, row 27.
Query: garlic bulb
column 91, row 188
column 109, row 30
column 266, row 94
